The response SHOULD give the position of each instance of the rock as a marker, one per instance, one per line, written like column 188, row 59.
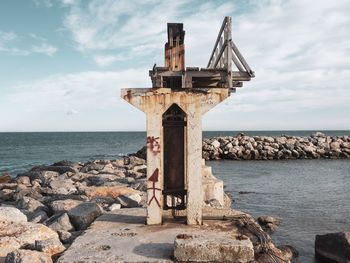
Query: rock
column 134, row 160
column 56, row 168
column 59, row 222
column 59, row 206
column 216, row 144
column 269, row 222
column 51, row 246
column 288, row 252
column 101, row 179
column 64, row 236
column 12, row 214
column 14, row 235
column 114, row 207
column 218, row 248
column 5, row 178
column 23, row 180
column 37, row 216
column 333, row 247
column 84, row 214
column 63, row 186
column 23, row 190
column 142, row 153
column 130, row 200
column 335, row 146
column 30, row 204
column 7, row 194
column 108, row 191
column 43, row 177
column 27, row 256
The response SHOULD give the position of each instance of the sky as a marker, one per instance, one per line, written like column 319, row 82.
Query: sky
column 63, row 62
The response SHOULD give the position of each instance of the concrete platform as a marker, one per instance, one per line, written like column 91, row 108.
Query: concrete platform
column 122, row 236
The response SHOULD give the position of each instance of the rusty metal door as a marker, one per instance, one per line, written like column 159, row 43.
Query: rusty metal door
column 174, row 123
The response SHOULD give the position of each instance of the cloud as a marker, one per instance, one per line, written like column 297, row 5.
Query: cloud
column 106, row 60
column 298, row 49
column 11, row 43
column 72, row 111
column 44, row 3
column 44, row 104
column 44, row 48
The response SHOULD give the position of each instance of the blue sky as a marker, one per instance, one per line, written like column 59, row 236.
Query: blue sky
column 63, row 62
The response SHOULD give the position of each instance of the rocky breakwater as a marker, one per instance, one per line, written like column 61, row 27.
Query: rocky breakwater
column 43, row 210
column 243, row 147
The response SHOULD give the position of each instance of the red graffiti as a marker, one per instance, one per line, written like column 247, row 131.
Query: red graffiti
column 154, row 180
column 153, row 144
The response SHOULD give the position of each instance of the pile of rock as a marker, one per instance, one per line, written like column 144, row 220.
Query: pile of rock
column 43, row 210
column 242, row 147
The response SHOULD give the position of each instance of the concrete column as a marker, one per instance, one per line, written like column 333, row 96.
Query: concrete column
column 194, row 164
column 154, row 168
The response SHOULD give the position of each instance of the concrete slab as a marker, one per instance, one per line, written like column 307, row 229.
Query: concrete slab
column 213, row 247
column 122, row 236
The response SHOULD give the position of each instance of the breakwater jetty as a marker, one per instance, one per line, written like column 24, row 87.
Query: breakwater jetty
column 243, row 147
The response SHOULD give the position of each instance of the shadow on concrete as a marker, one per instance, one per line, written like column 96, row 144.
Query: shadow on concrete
column 155, row 250
column 127, row 219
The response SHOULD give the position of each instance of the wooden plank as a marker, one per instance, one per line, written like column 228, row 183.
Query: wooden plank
column 218, row 58
column 217, row 40
column 228, row 64
column 236, row 62
column 241, row 58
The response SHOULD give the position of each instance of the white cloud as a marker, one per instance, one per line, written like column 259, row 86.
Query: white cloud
column 298, row 49
column 44, row 48
column 10, row 42
column 106, row 60
column 46, row 104
column 44, row 3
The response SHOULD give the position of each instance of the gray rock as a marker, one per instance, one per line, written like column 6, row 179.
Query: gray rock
column 84, row 214
column 51, row 246
column 37, row 216
column 114, row 207
column 130, row 200
column 23, row 180
column 59, row 206
column 30, row 204
column 59, row 222
column 7, row 194
column 12, row 214
column 27, row 256
column 333, row 247
column 63, row 186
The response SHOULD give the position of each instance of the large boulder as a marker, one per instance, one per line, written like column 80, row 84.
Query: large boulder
column 5, row 178
column 14, row 235
column 108, row 191
column 59, row 222
column 334, row 247
column 84, row 214
column 130, row 200
column 11, row 214
column 59, row 206
column 63, row 186
column 27, row 256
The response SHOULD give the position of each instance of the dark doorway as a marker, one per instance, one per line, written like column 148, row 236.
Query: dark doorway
column 174, row 192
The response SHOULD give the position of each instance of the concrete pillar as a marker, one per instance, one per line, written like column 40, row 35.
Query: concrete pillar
column 154, row 102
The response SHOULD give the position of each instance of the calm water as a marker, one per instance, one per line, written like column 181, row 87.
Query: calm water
column 311, row 196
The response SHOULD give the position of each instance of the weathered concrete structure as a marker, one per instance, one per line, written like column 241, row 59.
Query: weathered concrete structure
column 174, row 107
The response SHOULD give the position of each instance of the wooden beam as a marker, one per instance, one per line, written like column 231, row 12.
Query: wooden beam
column 217, row 40
column 241, row 58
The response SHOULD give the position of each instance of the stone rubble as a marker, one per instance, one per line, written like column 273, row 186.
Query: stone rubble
column 52, row 204
column 243, row 147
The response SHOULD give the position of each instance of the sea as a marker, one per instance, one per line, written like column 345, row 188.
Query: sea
column 310, row 196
